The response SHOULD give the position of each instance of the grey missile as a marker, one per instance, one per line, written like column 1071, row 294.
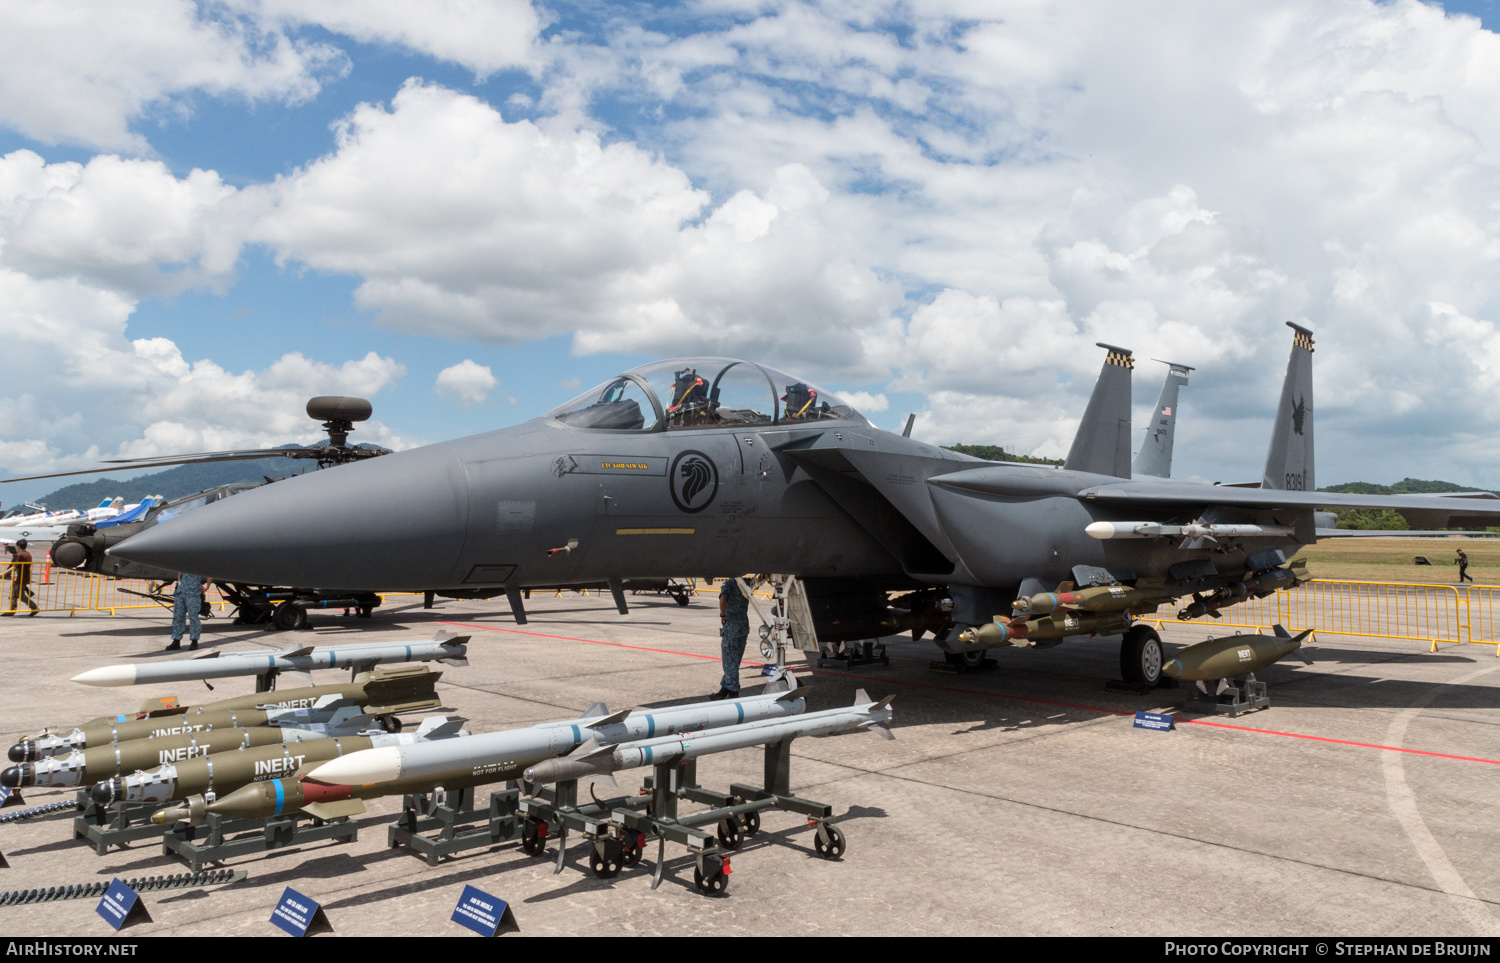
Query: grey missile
column 444, row 647
column 1234, row 655
column 384, row 691
column 586, row 761
column 483, row 758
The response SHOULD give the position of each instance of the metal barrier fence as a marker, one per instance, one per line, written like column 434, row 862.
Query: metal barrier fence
column 1383, row 610
column 46, row 588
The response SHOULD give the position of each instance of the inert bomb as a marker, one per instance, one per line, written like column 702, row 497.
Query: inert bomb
column 384, row 691
column 487, row 757
column 601, row 760
column 1098, row 598
column 1257, row 586
column 1234, row 655
column 444, row 647
column 224, row 772
column 1022, row 633
column 83, row 766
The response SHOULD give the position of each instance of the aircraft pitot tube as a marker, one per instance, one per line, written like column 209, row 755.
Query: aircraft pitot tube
column 1235, row 655
column 386, row 690
column 1257, row 586
column 605, row 760
column 337, row 786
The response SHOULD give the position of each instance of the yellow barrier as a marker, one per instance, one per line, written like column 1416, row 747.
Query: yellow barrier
column 54, row 589
column 1384, row 610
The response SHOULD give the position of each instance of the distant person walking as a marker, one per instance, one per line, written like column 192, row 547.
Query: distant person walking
column 1463, row 566
column 734, row 630
column 20, row 578
column 187, row 601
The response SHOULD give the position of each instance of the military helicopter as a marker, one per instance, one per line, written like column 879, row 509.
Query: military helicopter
column 86, row 545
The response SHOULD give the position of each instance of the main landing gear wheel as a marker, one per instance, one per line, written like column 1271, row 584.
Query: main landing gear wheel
column 1141, row 655
column 289, row 617
column 829, row 842
column 682, row 599
column 729, row 833
column 632, row 846
column 714, row 883
column 606, row 864
column 967, row 660
column 533, row 837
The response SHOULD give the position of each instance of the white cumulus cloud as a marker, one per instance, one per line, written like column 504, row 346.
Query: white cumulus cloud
column 468, row 383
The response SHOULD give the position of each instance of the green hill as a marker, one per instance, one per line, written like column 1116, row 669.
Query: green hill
column 997, row 453
column 1387, row 519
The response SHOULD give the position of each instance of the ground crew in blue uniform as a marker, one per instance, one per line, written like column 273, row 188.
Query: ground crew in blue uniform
column 734, row 629
column 187, row 601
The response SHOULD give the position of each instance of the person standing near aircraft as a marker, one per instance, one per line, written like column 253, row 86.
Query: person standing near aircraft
column 734, row 630
column 20, row 578
column 187, row 601
column 1462, row 561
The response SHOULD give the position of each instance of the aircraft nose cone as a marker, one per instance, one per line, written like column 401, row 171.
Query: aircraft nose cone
column 395, row 522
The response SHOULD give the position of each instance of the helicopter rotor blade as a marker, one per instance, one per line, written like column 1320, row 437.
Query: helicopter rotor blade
column 128, row 464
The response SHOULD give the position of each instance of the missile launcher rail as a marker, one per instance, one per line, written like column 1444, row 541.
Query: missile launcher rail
column 414, row 827
column 226, row 838
column 616, row 829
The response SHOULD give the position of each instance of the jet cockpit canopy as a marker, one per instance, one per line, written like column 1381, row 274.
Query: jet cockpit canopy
column 701, row 393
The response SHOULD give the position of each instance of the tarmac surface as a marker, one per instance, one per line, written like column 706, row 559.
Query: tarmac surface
column 1020, row 801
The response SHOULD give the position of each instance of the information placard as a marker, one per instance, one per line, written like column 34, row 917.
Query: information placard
column 1154, row 721
column 122, row 906
column 484, row 914
column 300, row 915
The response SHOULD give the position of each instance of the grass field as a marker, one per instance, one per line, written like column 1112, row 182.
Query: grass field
column 1390, row 559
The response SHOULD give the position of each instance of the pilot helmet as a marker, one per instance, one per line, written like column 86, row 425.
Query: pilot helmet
column 685, row 385
column 799, row 399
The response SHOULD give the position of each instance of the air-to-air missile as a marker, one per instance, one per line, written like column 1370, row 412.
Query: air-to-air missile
column 381, row 692
column 83, row 766
column 224, row 772
column 336, row 787
column 602, row 760
column 444, row 647
column 1235, row 655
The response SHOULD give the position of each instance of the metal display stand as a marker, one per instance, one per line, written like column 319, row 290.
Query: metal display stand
column 1240, row 696
column 617, row 829
column 414, row 827
column 277, row 832
column 117, row 824
column 868, row 652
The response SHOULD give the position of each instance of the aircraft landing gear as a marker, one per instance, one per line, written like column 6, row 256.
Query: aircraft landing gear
column 288, row 617
column 1141, row 656
column 966, row 660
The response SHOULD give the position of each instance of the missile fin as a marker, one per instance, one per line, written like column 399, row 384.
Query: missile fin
column 884, row 732
column 883, row 703
column 597, row 708
column 791, row 694
column 861, row 697
column 608, row 720
column 302, row 678
column 440, row 727
column 207, row 655
column 449, row 639
column 1281, row 632
column 333, row 810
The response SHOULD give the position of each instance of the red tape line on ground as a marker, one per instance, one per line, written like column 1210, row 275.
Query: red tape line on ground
column 1001, row 695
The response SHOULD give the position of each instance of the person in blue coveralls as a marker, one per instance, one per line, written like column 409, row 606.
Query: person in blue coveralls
column 187, row 601
column 734, row 630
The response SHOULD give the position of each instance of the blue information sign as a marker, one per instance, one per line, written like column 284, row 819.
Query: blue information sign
column 121, row 906
column 483, row 913
column 299, row 915
column 1154, row 720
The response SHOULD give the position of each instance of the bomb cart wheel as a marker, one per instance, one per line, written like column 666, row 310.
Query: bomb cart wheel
column 833, row 846
column 752, row 823
column 730, row 836
column 632, row 846
column 715, row 882
column 288, row 617
column 533, row 837
column 1141, row 655
column 606, row 864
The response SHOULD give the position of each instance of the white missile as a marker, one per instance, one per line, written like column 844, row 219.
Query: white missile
column 499, row 751
column 600, row 760
column 1107, row 530
column 444, row 647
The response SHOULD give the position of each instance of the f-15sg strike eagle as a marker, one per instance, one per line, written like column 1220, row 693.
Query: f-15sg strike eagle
column 715, row 467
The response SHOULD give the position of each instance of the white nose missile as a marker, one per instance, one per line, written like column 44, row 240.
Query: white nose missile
column 498, row 752
column 864, row 714
column 444, row 647
column 1108, row 530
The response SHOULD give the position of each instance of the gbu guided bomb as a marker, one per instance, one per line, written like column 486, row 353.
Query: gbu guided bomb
column 1257, row 586
column 382, row 692
column 1235, row 655
column 336, row 787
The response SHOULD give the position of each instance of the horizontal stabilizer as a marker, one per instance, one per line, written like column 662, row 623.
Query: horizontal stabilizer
column 334, row 810
column 608, row 720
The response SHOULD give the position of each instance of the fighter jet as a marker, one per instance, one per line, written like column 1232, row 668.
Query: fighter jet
column 716, row 467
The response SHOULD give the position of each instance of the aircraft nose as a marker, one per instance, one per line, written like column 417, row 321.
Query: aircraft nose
column 393, row 522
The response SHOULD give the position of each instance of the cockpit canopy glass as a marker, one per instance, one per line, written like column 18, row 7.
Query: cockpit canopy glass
column 700, row 393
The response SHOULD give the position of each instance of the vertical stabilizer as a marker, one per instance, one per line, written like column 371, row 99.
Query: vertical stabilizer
column 1289, row 463
column 1155, row 456
column 1102, row 445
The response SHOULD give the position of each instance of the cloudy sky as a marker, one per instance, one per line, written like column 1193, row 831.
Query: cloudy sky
column 464, row 210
